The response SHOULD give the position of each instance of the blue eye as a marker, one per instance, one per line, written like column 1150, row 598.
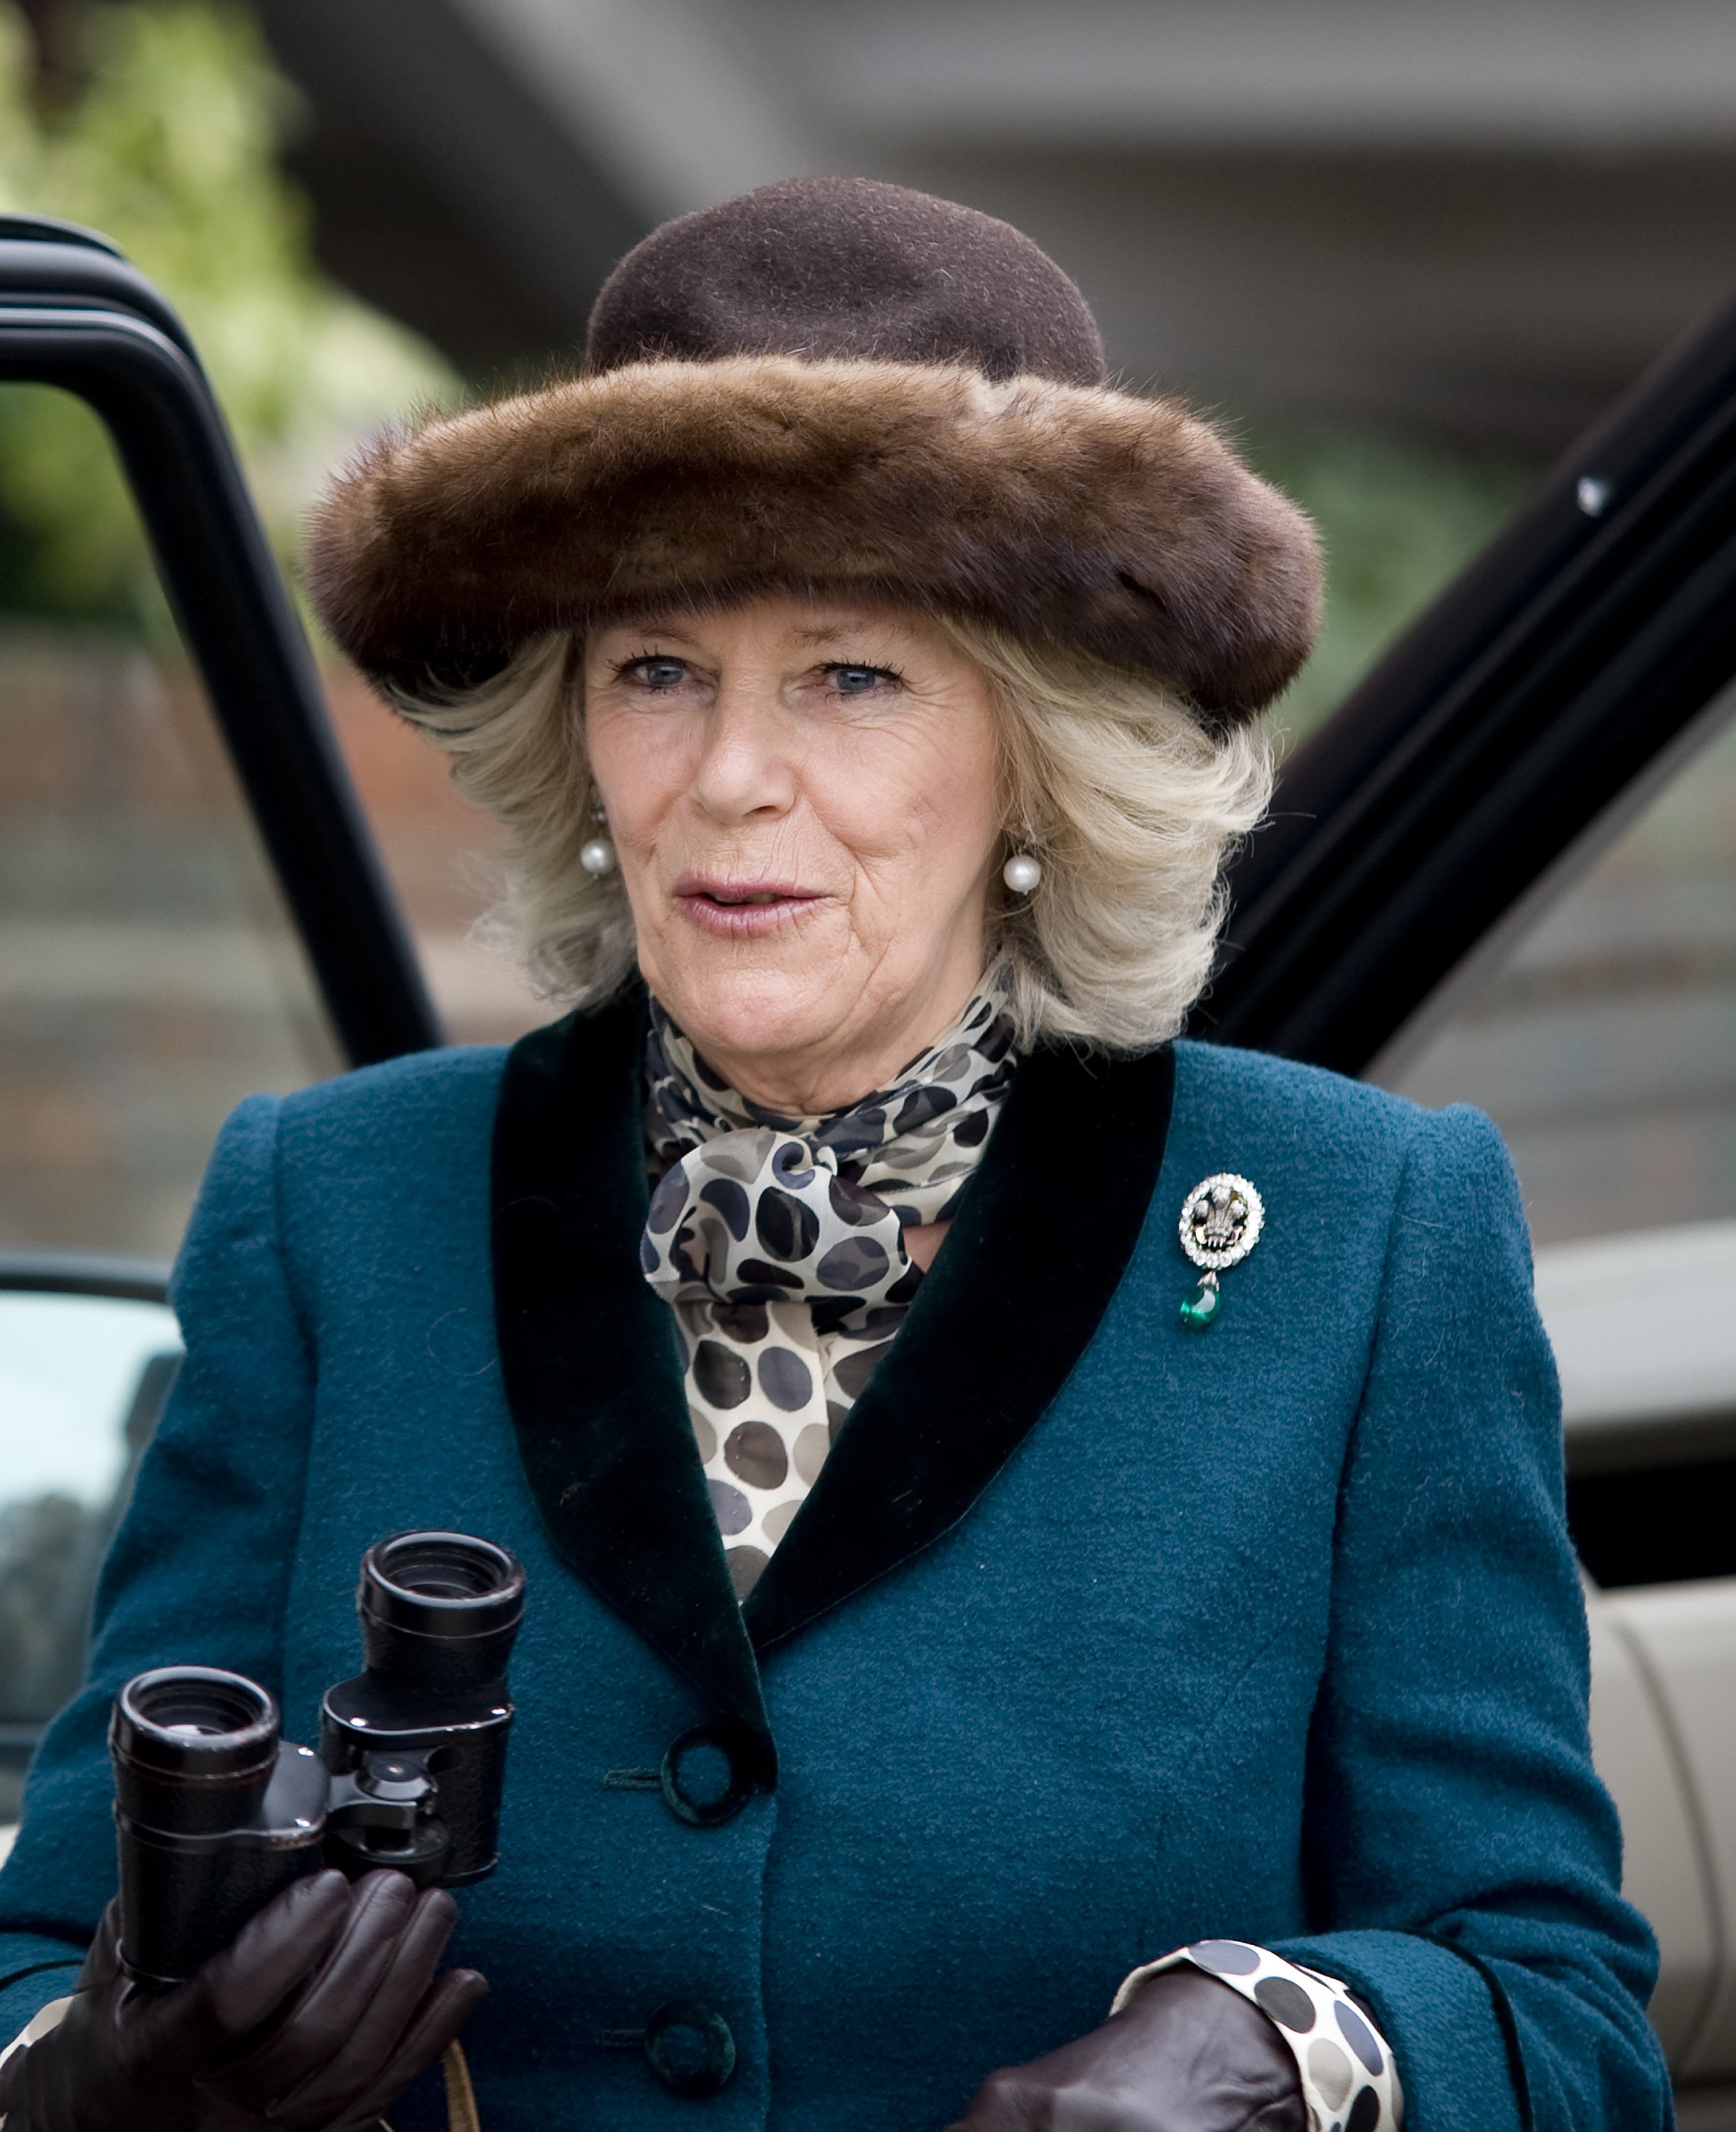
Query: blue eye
column 858, row 680
column 657, row 673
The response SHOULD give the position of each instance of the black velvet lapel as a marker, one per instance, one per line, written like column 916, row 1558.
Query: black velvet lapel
column 1041, row 1238
column 589, row 1362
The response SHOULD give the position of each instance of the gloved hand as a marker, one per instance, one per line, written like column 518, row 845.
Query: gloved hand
column 324, row 2010
column 1188, row 2055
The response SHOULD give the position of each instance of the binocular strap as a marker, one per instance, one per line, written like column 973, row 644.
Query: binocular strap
column 461, row 2109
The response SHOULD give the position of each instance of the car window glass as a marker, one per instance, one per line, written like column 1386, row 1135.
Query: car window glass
column 82, row 1379
column 445, row 859
column 1602, row 1040
column 149, row 978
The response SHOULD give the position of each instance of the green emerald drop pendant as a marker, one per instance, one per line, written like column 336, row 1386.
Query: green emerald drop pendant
column 1221, row 1221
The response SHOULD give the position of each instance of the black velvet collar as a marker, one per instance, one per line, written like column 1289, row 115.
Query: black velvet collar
column 593, row 1379
column 589, row 1360
column 1040, row 1242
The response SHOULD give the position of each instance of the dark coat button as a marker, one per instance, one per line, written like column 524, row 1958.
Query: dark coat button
column 690, row 2047
column 703, row 1781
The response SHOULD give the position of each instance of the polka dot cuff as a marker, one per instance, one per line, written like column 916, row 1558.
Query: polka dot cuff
column 1348, row 2081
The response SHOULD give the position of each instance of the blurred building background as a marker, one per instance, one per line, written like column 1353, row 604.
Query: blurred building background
column 1472, row 219
column 1406, row 251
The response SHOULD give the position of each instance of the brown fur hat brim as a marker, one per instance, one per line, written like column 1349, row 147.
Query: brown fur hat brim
column 1070, row 515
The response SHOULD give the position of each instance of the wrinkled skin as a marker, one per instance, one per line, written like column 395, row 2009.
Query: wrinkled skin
column 315, row 2019
column 837, row 758
column 1188, row 2055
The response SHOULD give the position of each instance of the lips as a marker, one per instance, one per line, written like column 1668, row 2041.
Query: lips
column 742, row 909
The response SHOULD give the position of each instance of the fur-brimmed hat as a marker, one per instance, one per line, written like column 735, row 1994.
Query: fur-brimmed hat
column 827, row 384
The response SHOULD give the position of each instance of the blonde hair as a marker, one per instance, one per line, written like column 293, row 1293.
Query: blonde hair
column 1132, row 806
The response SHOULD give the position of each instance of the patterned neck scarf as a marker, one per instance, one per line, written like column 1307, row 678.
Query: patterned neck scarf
column 778, row 1243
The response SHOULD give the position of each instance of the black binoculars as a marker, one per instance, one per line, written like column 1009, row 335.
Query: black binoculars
column 216, row 1812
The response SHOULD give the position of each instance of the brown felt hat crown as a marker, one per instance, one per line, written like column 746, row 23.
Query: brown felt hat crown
column 829, row 384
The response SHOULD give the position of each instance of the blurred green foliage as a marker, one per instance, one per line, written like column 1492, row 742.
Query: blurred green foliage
column 170, row 146
column 1399, row 520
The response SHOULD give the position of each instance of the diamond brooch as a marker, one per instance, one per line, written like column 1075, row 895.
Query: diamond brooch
column 1221, row 1219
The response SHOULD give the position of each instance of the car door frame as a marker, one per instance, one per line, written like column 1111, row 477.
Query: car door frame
column 1507, row 736
column 74, row 314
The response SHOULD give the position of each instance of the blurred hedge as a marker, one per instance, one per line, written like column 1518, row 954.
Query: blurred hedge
column 169, row 144
column 1399, row 519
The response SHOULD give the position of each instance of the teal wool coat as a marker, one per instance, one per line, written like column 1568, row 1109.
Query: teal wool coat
column 1096, row 1635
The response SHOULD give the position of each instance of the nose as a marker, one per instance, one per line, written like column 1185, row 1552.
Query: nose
column 746, row 764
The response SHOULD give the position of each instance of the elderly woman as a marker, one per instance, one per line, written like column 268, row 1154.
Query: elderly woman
column 1045, row 1541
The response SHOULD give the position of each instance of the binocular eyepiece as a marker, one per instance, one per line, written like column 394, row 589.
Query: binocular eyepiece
column 216, row 1812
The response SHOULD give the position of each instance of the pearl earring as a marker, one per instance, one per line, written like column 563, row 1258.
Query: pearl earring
column 597, row 855
column 1023, row 873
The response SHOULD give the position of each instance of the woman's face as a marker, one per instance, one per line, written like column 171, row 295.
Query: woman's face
column 804, row 795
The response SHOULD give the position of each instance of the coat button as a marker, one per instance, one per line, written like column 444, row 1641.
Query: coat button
column 702, row 1781
column 690, row 2047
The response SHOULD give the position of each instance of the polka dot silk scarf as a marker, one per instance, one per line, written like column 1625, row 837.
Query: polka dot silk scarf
column 1349, row 2082
column 778, row 1243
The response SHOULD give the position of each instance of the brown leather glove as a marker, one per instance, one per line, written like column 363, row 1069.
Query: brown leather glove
column 320, row 2014
column 1188, row 2055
